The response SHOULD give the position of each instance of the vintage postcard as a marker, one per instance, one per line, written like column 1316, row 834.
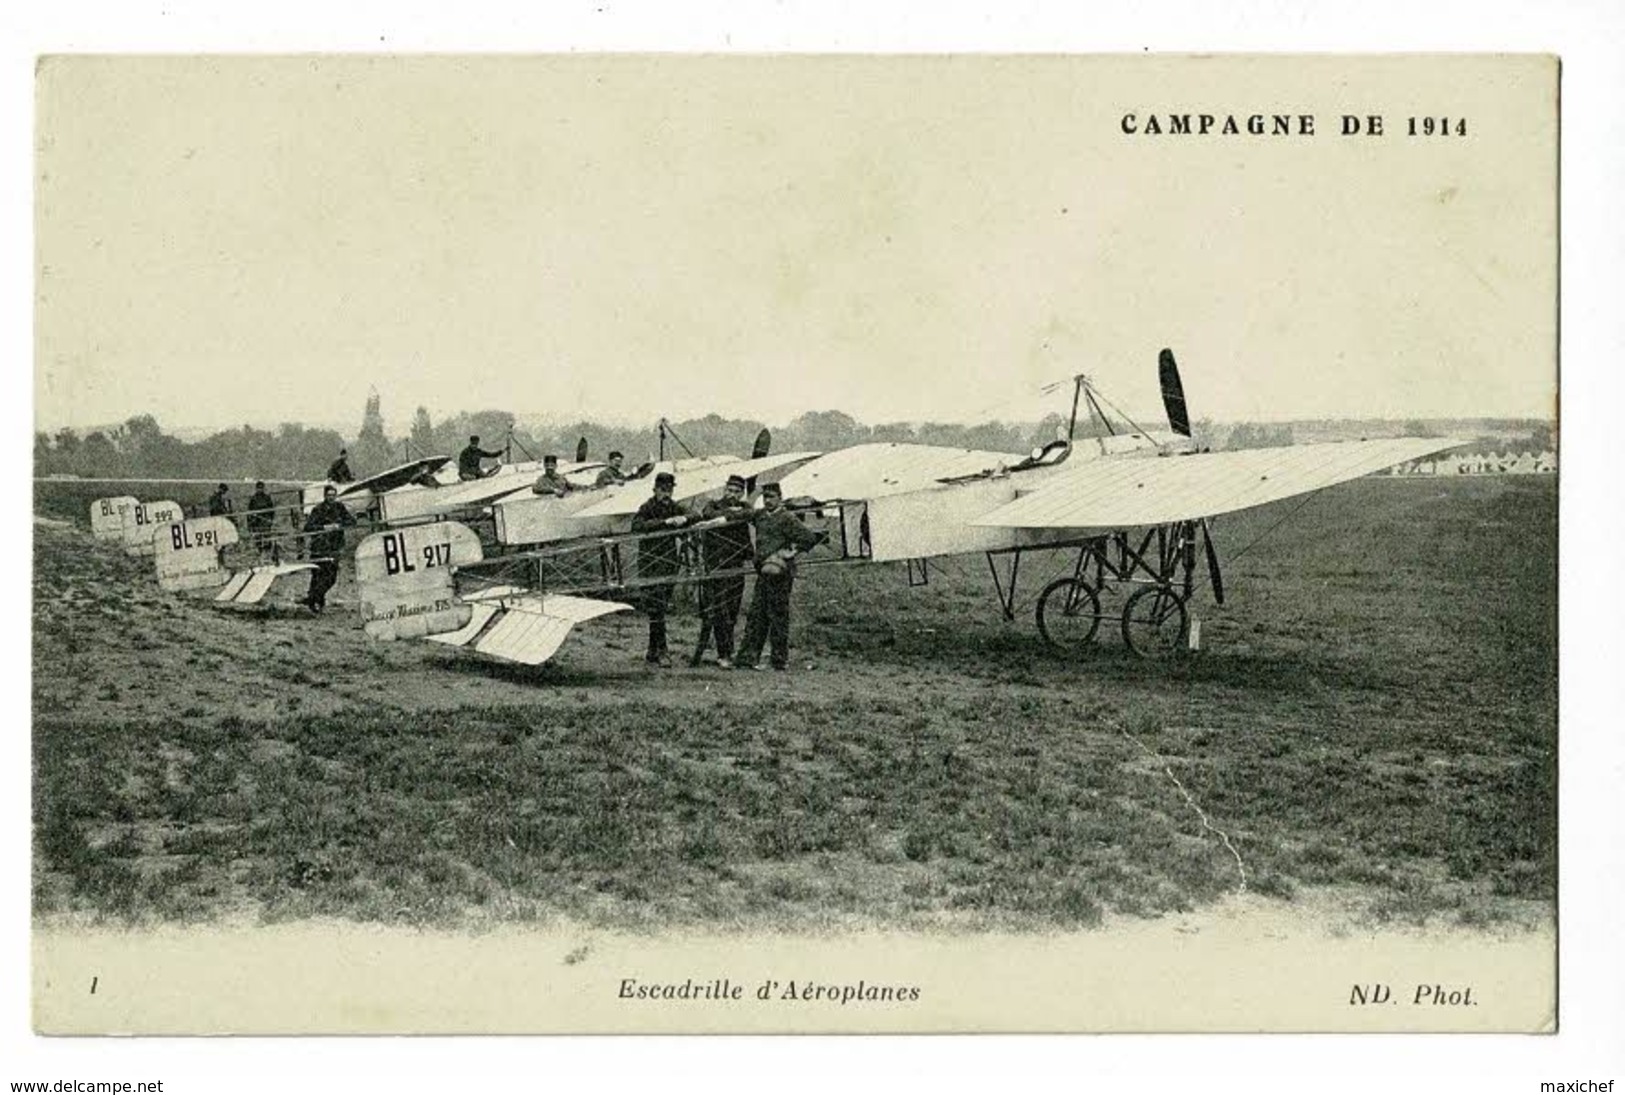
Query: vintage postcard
column 677, row 543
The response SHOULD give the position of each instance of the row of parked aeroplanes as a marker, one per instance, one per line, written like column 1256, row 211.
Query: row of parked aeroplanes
column 492, row 566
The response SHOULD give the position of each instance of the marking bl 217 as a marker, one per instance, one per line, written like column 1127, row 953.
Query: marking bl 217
column 398, row 559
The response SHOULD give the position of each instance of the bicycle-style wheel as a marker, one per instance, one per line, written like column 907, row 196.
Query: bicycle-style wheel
column 1069, row 614
column 1155, row 622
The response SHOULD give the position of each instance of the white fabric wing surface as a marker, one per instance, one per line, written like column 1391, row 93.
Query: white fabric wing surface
column 1151, row 490
column 691, row 483
column 411, row 501
column 882, row 468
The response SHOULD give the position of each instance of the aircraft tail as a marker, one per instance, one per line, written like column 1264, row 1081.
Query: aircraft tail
column 405, row 580
column 187, row 553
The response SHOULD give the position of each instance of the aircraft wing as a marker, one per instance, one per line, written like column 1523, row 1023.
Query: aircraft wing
column 394, row 477
column 692, row 482
column 1157, row 490
column 875, row 470
column 408, row 502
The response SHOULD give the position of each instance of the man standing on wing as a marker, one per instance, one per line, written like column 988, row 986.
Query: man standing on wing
column 780, row 537
column 727, row 548
column 219, row 503
column 658, row 558
column 325, row 526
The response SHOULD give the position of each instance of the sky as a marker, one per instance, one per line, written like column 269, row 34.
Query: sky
column 263, row 239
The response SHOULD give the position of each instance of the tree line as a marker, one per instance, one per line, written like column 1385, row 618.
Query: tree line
column 139, row 448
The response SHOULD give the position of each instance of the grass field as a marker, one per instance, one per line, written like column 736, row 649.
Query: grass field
column 1374, row 712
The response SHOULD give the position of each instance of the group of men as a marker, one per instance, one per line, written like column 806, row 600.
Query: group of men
column 551, row 482
column 261, row 511
column 727, row 555
column 323, row 529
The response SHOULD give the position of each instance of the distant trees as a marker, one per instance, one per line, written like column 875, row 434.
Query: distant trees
column 1249, row 435
column 139, row 448
column 822, row 431
column 422, row 435
column 371, row 449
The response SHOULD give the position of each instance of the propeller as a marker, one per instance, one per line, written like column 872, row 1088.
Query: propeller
column 581, row 451
column 764, row 442
column 1214, row 574
column 1173, row 394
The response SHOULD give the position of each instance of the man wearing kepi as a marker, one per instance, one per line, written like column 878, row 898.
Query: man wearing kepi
column 325, row 526
column 339, row 470
column 780, row 537
column 611, row 473
column 550, row 481
column 726, row 547
column 658, row 558
column 219, row 502
column 468, row 461
column 261, row 512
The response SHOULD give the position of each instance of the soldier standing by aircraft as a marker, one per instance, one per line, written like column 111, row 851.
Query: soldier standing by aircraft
column 726, row 547
column 657, row 558
column 219, row 504
column 339, row 470
column 260, row 510
column 612, row 473
column 326, row 525
column 468, row 461
column 550, row 481
column 779, row 538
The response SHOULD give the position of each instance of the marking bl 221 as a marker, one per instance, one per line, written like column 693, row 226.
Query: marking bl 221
column 181, row 537
column 398, row 559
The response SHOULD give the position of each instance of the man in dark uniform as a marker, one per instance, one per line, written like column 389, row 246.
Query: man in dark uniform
column 658, row 558
column 779, row 538
column 219, row 504
column 468, row 461
column 339, row 470
column 325, row 525
column 726, row 547
column 613, row 473
column 260, row 513
column 550, row 481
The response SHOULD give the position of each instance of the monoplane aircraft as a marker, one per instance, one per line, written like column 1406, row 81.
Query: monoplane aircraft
column 1131, row 507
column 195, row 553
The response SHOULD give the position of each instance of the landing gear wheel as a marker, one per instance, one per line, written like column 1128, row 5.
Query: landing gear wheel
column 1155, row 622
column 1069, row 615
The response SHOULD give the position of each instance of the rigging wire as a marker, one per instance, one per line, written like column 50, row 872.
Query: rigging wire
column 1289, row 516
